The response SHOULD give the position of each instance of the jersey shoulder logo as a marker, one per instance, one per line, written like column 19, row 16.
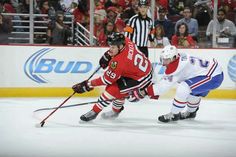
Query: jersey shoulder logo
column 113, row 64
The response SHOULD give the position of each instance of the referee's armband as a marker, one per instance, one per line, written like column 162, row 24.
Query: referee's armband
column 128, row 29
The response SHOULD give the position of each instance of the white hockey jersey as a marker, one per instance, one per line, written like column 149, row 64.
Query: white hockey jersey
column 184, row 68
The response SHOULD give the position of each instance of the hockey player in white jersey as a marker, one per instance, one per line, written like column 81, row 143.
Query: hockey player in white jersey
column 195, row 77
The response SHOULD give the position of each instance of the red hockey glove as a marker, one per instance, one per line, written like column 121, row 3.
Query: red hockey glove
column 136, row 95
column 104, row 60
column 82, row 87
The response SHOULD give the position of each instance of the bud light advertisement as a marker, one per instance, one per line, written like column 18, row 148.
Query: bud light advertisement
column 39, row 65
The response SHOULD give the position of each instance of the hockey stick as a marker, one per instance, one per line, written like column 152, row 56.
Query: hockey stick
column 43, row 121
column 41, row 124
column 73, row 105
column 94, row 73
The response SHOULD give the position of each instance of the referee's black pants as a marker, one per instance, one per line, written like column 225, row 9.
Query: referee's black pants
column 144, row 50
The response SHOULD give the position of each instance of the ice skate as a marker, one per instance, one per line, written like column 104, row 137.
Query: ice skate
column 89, row 116
column 187, row 114
column 111, row 114
column 169, row 117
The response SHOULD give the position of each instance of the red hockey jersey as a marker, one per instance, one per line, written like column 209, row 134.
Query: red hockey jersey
column 130, row 62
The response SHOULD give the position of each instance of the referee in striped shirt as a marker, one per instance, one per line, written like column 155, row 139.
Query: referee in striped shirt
column 140, row 29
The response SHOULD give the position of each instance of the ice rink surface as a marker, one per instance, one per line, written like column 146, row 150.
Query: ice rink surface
column 136, row 133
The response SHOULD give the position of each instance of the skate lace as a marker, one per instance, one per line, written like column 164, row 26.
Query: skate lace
column 169, row 115
column 185, row 114
column 90, row 113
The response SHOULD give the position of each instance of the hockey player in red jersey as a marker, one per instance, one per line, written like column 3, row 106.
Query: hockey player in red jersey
column 127, row 69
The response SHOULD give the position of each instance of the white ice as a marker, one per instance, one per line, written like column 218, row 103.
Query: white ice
column 136, row 133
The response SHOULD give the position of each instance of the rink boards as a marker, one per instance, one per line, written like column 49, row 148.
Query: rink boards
column 51, row 71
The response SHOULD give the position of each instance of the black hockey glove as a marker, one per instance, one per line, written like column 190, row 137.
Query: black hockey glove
column 136, row 95
column 104, row 60
column 82, row 87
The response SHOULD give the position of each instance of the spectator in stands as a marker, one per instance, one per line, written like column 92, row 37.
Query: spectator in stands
column 167, row 24
column 109, row 28
column 191, row 23
column 120, row 6
column 202, row 11
column 160, row 40
column 176, row 7
column 112, row 16
column 129, row 11
column 227, row 5
column 81, row 14
column 43, row 7
column 55, row 4
column 224, row 27
column 58, row 33
column 15, row 4
column 110, row 3
column 99, row 4
column 7, row 6
column 24, row 7
column 66, row 5
column 72, row 7
column 5, row 29
column 162, row 3
column 99, row 16
column 159, row 4
column 182, row 39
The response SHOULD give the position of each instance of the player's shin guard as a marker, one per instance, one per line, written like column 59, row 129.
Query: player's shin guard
column 103, row 101
column 117, row 107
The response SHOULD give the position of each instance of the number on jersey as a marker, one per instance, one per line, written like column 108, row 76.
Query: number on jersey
column 140, row 62
column 201, row 62
column 111, row 74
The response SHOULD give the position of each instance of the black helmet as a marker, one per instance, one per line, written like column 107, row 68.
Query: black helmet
column 142, row 2
column 116, row 39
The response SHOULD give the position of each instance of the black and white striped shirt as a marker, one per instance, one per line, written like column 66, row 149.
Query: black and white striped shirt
column 140, row 30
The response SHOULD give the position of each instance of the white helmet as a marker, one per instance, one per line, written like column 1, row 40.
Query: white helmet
column 168, row 52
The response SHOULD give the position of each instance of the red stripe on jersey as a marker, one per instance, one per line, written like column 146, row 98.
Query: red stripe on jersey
column 172, row 66
column 200, row 83
column 212, row 68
